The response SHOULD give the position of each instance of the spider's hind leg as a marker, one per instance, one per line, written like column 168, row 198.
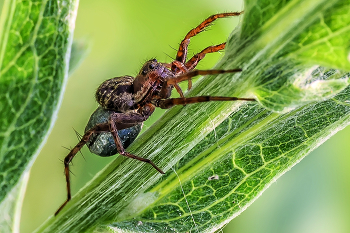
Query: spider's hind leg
column 129, row 118
column 68, row 159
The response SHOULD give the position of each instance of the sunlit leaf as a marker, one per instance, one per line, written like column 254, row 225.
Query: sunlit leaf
column 220, row 157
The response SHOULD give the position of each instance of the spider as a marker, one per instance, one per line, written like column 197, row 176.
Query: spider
column 126, row 102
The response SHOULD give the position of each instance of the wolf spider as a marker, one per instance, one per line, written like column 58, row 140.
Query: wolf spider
column 126, row 102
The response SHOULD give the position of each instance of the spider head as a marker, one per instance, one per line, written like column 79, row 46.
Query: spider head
column 149, row 66
column 150, row 79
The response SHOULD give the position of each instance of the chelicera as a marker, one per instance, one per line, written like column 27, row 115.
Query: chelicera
column 126, row 102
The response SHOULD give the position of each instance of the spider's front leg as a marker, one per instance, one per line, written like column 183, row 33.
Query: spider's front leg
column 193, row 73
column 182, row 52
column 193, row 62
column 86, row 137
column 130, row 118
column 187, row 76
column 180, row 66
column 170, row 102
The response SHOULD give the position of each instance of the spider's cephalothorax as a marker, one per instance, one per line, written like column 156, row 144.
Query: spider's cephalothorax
column 126, row 102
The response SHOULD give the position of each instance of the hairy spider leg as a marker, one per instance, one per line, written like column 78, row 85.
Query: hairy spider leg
column 179, row 90
column 193, row 73
column 85, row 138
column 187, row 76
column 181, row 69
column 115, row 118
column 168, row 103
column 179, row 63
column 124, row 118
column 182, row 52
column 192, row 63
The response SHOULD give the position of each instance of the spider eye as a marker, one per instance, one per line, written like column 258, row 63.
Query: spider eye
column 144, row 72
column 151, row 66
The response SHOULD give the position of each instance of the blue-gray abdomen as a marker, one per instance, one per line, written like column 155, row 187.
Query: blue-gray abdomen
column 103, row 143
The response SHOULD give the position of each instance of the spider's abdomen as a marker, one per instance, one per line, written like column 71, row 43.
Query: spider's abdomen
column 103, row 143
column 116, row 94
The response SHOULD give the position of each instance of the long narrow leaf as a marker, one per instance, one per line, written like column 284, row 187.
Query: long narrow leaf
column 220, row 157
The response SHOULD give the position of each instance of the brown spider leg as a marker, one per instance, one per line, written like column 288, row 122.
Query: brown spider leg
column 181, row 69
column 193, row 73
column 96, row 129
column 178, row 89
column 182, row 52
column 117, row 118
column 192, row 63
column 168, row 103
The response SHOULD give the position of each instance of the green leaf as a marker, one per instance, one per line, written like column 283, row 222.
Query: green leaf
column 35, row 46
column 231, row 166
column 290, row 42
column 220, row 157
column 294, row 87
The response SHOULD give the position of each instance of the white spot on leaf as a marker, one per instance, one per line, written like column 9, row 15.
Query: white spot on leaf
column 214, row 177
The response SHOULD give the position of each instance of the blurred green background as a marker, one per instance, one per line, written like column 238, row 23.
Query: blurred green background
column 313, row 197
